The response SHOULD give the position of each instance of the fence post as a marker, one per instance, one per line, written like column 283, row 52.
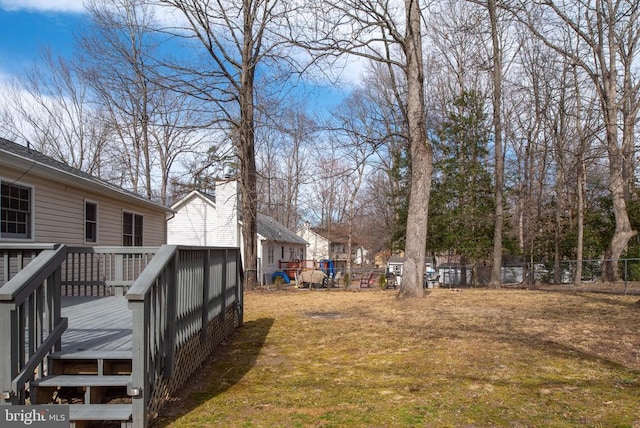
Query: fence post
column 239, row 288
column 625, row 275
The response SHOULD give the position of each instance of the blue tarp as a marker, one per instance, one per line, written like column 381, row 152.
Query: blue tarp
column 282, row 275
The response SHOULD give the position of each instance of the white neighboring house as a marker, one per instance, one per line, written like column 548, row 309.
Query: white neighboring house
column 213, row 221
column 278, row 248
column 206, row 220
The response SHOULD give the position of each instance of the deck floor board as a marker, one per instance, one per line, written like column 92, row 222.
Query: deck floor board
column 97, row 324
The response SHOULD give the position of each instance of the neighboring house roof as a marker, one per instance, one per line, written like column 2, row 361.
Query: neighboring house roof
column 272, row 230
column 210, row 199
column 335, row 236
column 267, row 227
column 18, row 156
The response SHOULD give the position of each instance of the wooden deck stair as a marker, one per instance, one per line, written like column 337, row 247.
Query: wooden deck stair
column 182, row 294
column 93, row 383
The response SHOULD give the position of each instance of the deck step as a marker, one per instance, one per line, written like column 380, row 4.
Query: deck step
column 82, row 380
column 91, row 362
column 92, row 355
column 100, row 412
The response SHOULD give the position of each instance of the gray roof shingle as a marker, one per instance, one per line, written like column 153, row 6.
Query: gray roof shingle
column 9, row 148
column 275, row 231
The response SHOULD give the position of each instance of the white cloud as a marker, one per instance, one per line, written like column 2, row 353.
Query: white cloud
column 75, row 6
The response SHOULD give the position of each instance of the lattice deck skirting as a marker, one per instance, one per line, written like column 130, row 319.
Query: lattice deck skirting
column 190, row 356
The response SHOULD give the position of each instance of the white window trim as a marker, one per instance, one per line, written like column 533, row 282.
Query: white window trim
column 271, row 256
column 84, row 215
column 134, row 213
column 32, row 218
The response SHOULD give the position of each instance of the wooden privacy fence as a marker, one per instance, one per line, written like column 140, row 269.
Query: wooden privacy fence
column 184, row 304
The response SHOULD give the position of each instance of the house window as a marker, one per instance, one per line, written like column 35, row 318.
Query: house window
column 270, row 254
column 15, row 204
column 131, row 230
column 90, row 222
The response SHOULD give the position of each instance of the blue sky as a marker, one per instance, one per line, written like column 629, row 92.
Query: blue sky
column 27, row 26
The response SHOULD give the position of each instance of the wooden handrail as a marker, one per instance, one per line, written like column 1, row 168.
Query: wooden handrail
column 181, row 294
column 142, row 285
column 42, row 351
column 28, row 279
column 13, row 246
column 29, row 304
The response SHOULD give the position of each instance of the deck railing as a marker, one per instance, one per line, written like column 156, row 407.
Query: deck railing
column 15, row 257
column 33, row 277
column 184, row 304
column 103, row 271
column 31, row 325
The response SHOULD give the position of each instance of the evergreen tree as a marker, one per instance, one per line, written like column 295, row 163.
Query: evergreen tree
column 462, row 201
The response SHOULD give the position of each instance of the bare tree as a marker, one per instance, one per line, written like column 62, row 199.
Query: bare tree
column 237, row 37
column 392, row 35
column 497, row 76
column 51, row 108
column 597, row 36
column 116, row 53
column 154, row 125
column 362, row 132
column 285, row 160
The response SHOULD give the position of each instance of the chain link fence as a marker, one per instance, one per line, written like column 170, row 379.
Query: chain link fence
column 541, row 273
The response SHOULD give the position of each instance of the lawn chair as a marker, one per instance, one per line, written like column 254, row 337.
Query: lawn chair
column 368, row 282
column 333, row 282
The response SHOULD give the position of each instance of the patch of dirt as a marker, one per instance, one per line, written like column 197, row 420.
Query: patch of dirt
column 325, row 315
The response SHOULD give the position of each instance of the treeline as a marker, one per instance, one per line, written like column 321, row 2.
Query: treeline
column 510, row 125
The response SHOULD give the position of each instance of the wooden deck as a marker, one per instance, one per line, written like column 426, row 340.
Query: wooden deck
column 97, row 324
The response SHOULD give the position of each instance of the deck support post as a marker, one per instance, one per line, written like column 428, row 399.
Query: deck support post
column 8, row 354
column 170, row 329
column 139, row 386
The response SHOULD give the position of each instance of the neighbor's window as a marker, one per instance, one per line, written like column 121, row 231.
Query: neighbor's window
column 90, row 222
column 131, row 230
column 270, row 254
column 15, row 204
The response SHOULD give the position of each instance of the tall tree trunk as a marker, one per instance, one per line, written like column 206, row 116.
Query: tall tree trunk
column 496, row 270
column 421, row 158
column 249, row 203
column 577, row 280
column 582, row 173
column 623, row 232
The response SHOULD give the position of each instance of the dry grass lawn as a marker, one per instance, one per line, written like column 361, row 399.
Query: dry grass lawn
column 472, row 358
